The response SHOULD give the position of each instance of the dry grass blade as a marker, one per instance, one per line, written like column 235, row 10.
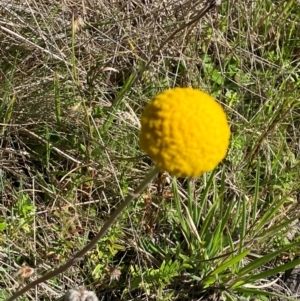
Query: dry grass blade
column 79, row 255
column 15, row 35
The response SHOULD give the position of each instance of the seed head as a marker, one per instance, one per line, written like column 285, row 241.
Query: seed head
column 80, row 294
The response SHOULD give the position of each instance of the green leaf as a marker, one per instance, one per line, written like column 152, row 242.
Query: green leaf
column 263, row 260
column 230, row 262
column 3, row 295
column 271, row 272
column 2, row 226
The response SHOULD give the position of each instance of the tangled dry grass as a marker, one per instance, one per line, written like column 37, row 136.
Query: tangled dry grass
column 74, row 77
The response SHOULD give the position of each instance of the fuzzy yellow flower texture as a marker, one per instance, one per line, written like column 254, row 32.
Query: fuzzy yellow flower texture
column 185, row 132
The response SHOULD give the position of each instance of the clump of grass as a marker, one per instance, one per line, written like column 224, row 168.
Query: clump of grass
column 71, row 101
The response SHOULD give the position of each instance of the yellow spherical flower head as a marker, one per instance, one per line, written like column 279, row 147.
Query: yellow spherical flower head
column 185, row 132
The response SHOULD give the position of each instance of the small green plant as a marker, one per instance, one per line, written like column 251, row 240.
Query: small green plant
column 155, row 279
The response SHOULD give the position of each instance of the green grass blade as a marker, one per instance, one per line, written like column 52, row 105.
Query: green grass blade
column 231, row 262
column 57, row 100
column 272, row 272
column 204, row 196
column 252, row 266
column 256, row 193
column 257, row 292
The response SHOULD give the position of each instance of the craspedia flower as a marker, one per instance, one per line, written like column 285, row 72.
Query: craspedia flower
column 185, row 132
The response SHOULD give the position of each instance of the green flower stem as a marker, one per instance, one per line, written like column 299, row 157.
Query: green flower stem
column 79, row 255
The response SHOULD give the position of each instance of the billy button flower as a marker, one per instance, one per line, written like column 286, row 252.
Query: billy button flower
column 185, row 132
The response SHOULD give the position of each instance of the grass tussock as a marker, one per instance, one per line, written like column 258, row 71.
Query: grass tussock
column 74, row 78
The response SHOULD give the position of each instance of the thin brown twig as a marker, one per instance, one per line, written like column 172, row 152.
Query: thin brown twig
column 210, row 4
column 79, row 255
